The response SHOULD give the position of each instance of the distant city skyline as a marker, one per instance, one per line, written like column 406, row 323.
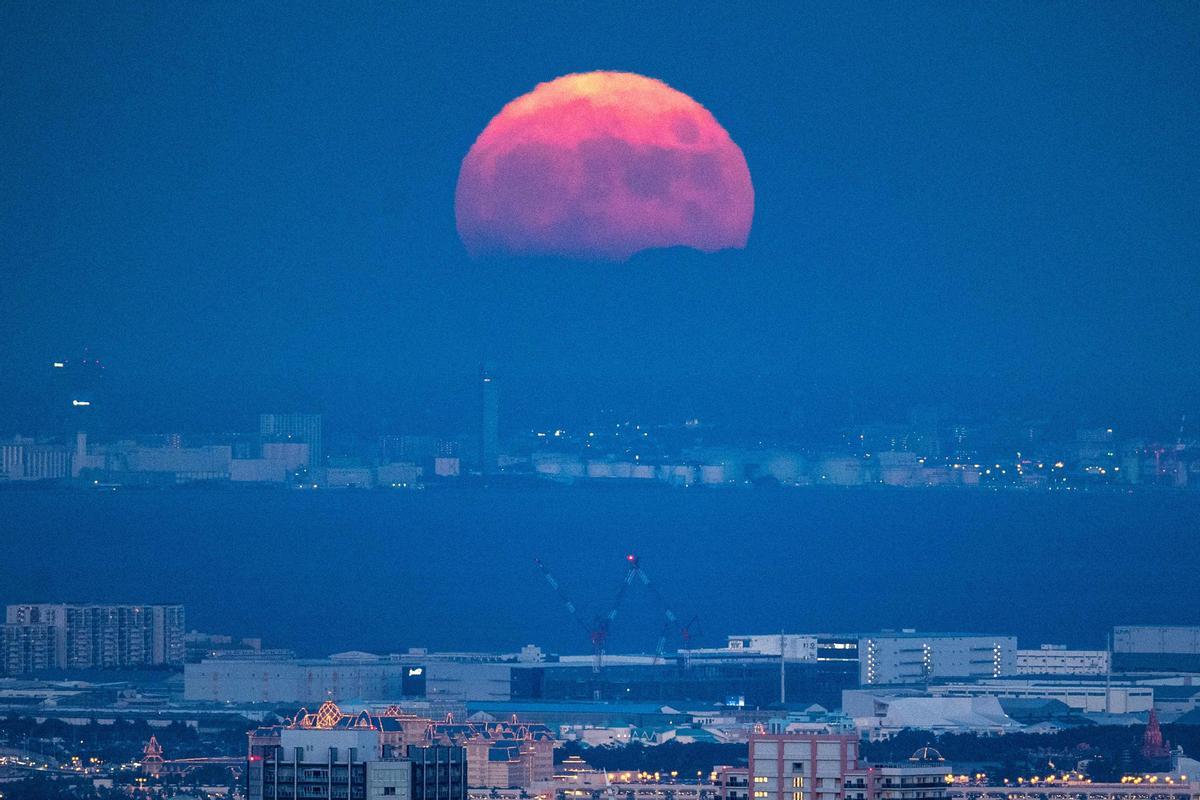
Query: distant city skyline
column 960, row 205
column 361, row 363
column 65, row 393
column 74, row 439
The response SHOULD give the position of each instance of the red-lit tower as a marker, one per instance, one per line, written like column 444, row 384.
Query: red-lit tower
column 152, row 757
column 1153, row 746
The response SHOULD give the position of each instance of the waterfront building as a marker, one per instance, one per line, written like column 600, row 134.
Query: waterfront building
column 23, row 459
column 302, row 428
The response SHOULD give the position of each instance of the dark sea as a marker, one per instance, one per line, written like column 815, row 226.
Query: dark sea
column 453, row 568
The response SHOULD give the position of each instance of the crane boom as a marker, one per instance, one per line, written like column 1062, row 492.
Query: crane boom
column 563, row 597
column 598, row 629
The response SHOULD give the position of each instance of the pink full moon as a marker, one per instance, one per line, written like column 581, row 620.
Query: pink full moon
column 600, row 166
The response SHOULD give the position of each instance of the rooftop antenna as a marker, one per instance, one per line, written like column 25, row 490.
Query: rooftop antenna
column 782, row 671
column 1108, row 677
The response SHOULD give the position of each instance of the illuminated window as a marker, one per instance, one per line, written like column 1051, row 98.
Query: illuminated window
column 760, row 778
column 798, row 783
column 797, row 796
column 759, row 793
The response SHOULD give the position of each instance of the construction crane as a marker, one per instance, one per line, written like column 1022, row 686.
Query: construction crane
column 599, row 627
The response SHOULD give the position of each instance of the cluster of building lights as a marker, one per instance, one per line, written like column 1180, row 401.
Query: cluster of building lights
column 1068, row 778
column 651, row 777
column 76, row 764
column 1153, row 778
column 978, row 777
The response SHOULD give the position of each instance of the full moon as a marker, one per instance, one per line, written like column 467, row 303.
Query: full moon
column 600, row 166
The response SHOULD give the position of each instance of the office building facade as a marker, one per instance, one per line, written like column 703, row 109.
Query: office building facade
column 909, row 657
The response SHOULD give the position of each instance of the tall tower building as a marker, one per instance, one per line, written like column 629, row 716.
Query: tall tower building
column 77, row 396
column 294, row 427
column 489, row 438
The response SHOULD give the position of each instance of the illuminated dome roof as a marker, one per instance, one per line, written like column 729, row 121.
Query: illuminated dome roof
column 926, row 754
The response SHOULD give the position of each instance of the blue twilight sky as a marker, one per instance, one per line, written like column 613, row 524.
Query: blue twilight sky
column 244, row 206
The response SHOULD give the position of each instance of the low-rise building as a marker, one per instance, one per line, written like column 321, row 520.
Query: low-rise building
column 1086, row 696
column 251, row 678
column 1172, row 702
column 1053, row 659
column 878, row 715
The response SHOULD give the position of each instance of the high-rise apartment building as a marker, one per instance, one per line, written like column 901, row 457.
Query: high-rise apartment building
column 108, row 636
column 26, row 648
column 304, row 428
